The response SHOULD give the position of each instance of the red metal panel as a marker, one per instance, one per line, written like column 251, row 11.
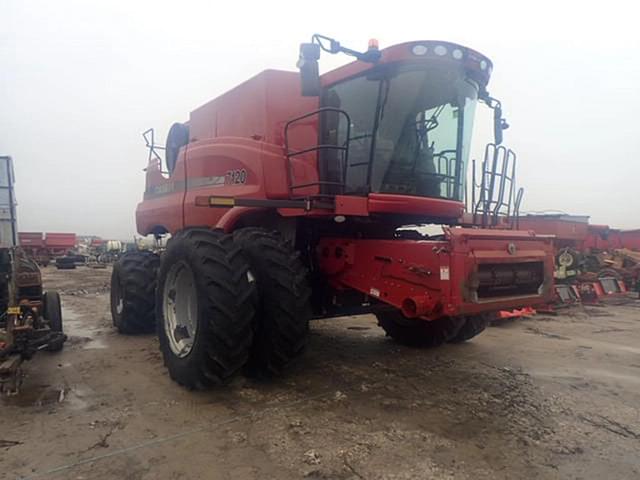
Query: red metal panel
column 435, row 278
column 352, row 205
column 432, row 207
column 630, row 239
column 564, row 230
column 60, row 240
column 31, row 239
column 163, row 197
column 597, row 238
column 257, row 109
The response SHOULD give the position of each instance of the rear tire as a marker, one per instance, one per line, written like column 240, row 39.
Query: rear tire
column 133, row 284
column 415, row 332
column 284, row 300
column 474, row 325
column 205, row 306
column 52, row 312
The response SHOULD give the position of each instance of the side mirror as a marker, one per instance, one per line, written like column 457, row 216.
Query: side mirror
column 309, row 71
column 499, row 124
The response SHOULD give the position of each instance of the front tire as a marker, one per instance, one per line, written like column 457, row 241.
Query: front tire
column 133, row 284
column 52, row 312
column 415, row 332
column 284, row 307
column 205, row 306
column 474, row 325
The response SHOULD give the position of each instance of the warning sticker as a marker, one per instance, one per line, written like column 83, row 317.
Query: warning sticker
column 444, row 273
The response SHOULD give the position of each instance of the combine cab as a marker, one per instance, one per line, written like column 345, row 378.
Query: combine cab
column 283, row 206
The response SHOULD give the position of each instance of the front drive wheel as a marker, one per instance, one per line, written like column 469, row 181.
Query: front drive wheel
column 52, row 313
column 415, row 332
column 133, row 284
column 473, row 325
column 205, row 309
column 284, row 309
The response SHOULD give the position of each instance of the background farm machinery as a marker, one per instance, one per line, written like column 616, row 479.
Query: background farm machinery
column 44, row 248
column 30, row 319
column 591, row 261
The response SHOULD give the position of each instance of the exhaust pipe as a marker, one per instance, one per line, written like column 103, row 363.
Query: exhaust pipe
column 418, row 306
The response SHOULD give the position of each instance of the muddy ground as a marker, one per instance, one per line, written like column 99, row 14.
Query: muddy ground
column 546, row 397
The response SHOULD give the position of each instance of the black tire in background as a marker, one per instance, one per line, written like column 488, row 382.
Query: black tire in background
column 52, row 312
column 224, row 314
column 284, row 300
column 133, row 284
column 415, row 332
column 65, row 263
column 473, row 325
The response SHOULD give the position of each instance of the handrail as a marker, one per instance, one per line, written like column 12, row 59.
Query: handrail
column 149, row 138
column 317, row 148
column 496, row 194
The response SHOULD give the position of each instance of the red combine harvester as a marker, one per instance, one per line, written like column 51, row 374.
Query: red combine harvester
column 283, row 206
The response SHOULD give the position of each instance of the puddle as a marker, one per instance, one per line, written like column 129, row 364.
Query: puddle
column 585, row 375
column 47, row 395
column 603, row 345
column 75, row 398
column 79, row 332
column 36, row 396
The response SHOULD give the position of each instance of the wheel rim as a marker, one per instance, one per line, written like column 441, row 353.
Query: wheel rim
column 180, row 309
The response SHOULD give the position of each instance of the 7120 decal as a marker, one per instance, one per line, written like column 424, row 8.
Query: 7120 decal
column 235, row 177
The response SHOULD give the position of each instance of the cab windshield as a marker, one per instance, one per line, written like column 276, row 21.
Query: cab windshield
column 410, row 131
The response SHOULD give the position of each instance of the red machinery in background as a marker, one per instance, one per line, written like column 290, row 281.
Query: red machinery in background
column 590, row 260
column 629, row 239
column 45, row 247
column 59, row 244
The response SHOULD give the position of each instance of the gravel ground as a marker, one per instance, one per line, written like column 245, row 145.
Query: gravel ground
column 545, row 397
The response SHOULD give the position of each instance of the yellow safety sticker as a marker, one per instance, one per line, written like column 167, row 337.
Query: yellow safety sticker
column 221, row 201
column 13, row 310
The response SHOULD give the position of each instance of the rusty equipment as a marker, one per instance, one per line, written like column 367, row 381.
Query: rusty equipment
column 30, row 319
column 591, row 261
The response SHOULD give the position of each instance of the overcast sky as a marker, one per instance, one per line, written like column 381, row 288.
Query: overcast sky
column 80, row 80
